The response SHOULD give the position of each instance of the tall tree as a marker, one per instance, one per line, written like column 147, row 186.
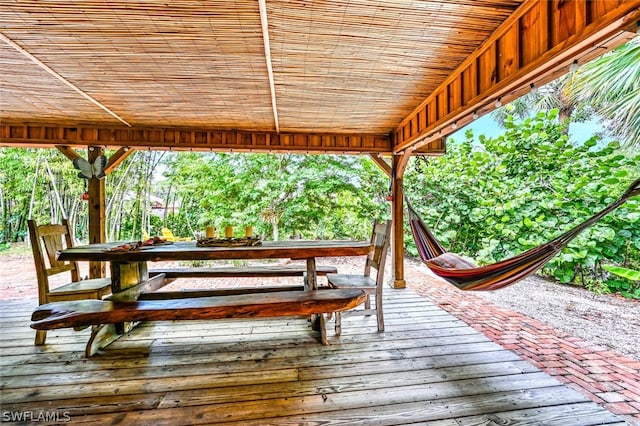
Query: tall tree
column 607, row 87
column 611, row 85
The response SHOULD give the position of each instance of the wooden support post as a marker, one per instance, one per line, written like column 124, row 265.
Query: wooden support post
column 97, row 231
column 397, row 218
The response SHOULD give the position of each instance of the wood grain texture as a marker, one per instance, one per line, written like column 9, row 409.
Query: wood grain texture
column 427, row 367
column 258, row 305
column 242, row 271
column 292, row 249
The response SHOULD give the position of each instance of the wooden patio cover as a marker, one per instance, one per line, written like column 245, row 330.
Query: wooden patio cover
column 384, row 78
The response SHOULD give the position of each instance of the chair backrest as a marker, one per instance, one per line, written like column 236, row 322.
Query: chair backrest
column 46, row 241
column 378, row 257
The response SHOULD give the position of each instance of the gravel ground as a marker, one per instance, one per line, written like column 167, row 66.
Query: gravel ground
column 608, row 320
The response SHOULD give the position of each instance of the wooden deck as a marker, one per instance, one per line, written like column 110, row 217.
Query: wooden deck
column 428, row 367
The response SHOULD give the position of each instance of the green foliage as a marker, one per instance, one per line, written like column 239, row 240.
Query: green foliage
column 39, row 184
column 610, row 84
column 282, row 196
column 629, row 285
column 514, row 192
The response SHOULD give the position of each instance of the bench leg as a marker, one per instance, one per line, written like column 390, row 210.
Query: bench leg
column 323, row 330
column 41, row 336
column 105, row 334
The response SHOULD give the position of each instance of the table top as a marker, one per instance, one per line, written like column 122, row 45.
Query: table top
column 187, row 250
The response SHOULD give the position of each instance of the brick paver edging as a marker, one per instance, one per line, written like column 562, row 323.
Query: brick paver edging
column 605, row 377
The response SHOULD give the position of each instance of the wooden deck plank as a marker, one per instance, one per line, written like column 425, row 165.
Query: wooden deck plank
column 423, row 403
column 212, row 392
column 328, row 365
column 427, row 367
column 234, row 353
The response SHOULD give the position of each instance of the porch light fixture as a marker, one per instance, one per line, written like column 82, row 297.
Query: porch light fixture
column 475, row 115
column 498, row 103
column 534, row 89
column 454, row 125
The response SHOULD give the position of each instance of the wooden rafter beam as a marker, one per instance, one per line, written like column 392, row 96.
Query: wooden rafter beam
column 197, row 139
column 113, row 161
column 70, row 153
column 401, row 162
column 118, row 157
column 267, row 56
column 535, row 45
column 381, row 162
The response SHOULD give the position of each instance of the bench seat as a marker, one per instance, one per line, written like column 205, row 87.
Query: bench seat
column 243, row 271
column 80, row 313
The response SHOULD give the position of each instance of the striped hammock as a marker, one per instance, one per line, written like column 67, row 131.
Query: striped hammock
column 468, row 276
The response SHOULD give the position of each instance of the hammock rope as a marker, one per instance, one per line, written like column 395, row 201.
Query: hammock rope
column 467, row 276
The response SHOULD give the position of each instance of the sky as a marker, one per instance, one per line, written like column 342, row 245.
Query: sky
column 487, row 126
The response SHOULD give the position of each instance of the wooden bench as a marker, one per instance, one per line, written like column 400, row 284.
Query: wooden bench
column 82, row 313
column 241, row 272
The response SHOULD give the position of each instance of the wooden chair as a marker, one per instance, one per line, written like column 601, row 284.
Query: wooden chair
column 46, row 241
column 375, row 260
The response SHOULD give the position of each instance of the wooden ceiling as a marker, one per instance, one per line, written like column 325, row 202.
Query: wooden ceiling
column 314, row 76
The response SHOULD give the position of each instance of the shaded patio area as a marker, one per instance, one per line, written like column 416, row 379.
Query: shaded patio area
column 428, row 366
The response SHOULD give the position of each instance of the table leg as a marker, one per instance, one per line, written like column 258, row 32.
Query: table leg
column 312, row 285
column 125, row 277
column 312, row 274
column 105, row 334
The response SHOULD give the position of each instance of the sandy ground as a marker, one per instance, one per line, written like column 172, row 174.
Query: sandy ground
column 607, row 320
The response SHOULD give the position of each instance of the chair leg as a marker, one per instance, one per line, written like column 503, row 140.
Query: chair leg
column 367, row 303
column 379, row 314
column 41, row 336
column 338, row 323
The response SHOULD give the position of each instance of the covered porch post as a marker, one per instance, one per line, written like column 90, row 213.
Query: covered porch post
column 97, row 226
column 397, row 216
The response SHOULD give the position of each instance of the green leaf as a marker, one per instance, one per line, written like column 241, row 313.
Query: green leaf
column 590, row 143
column 629, row 274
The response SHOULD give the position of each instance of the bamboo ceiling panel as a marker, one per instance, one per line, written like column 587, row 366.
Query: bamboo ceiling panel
column 189, row 63
column 363, row 65
column 24, row 98
column 339, row 66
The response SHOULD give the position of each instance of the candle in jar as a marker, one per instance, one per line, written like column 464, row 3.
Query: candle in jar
column 248, row 231
column 228, row 231
column 211, row 230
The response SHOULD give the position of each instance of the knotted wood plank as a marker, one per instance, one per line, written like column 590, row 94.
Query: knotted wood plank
column 80, row 313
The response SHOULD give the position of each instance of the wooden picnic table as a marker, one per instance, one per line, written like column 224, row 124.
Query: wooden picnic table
column 131, row 281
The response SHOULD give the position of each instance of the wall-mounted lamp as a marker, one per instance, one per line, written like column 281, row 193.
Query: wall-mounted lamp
column 498, row 103
column 475, row 115
column 454, row 125
column 534, row 89
column 574, row 66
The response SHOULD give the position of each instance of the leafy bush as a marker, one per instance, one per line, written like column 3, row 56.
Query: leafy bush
column 495, row 199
